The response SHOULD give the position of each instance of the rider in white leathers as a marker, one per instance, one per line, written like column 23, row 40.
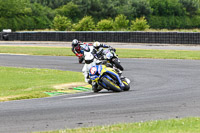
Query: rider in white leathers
column 89, row 61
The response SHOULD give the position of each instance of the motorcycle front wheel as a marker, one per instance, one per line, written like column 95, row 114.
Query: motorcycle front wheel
column 111, row 86
column 127, row 86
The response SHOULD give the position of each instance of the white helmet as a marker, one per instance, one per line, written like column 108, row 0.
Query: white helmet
column 96, row 44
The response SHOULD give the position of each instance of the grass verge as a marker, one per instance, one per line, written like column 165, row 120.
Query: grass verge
column 159, row 54
column 186, row 125
column 26, row 83
column 53, row 51
column 123, row 53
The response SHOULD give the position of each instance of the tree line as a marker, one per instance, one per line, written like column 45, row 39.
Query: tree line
column 99, row 14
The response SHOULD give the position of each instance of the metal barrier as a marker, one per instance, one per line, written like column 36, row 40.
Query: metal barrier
column 108, row 36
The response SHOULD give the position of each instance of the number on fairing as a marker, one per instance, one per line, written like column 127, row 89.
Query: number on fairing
column 93, row 70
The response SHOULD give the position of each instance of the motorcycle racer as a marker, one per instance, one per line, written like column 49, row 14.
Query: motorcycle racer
column 98, row 52
column 76, row 49
column 98, row 49
column 89, row 61
column 95, row 73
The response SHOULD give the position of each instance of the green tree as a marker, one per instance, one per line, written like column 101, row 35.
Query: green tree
column 51, row 3
column 11, row 11
column 139, row 24
column 141, row 7
column 98, row 9
column 42, row 16
column 134, row 8
column 107, row 9
column 191, row 6
column 167, row 8
column 105, row 25
column 71, row 11
column 12, row 8
column 127, row 10
column 84, row 5
column 61, row 23
column 85, row 24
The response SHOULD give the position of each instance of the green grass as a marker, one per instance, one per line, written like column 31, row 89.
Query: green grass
column 54, row 51
column 123, row 53
column 25, row 83
column 186, row 125
column 158, row 54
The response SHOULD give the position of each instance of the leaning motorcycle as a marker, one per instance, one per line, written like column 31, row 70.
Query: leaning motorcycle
column 111, row 57
column 107, row 78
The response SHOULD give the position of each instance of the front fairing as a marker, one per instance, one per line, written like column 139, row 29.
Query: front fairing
column 110, row 73
column 95, row 72
column 98, row 72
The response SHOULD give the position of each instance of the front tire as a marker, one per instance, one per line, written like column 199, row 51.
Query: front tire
column 111, row 85
column 127, row 86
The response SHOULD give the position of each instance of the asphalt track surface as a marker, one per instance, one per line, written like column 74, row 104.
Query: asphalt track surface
column 160, row 89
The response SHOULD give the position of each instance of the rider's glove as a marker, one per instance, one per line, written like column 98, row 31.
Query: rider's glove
column 79, row 55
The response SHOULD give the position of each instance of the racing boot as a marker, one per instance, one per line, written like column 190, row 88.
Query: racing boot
column 95, row 87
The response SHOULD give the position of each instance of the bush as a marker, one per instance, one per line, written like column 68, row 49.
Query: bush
column 61, row 23
column 121, row 22
column 85, row 24
column 139, row 24
column 105, row 25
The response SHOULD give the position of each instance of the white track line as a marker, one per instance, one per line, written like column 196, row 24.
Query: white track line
column 81, row 97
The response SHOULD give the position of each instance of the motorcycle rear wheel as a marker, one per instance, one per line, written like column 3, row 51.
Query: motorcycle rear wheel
column 111, row 85
column 117, row 64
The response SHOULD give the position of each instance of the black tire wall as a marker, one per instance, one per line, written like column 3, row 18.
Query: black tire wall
column 109, row 36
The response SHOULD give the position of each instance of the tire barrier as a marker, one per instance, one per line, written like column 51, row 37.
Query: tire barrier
column 109, row 36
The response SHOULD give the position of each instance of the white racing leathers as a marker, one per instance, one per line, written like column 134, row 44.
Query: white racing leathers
column 89, row 61
column 86, row 69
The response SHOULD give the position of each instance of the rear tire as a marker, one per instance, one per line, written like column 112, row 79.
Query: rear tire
column 111, row 85
column 117, row 64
